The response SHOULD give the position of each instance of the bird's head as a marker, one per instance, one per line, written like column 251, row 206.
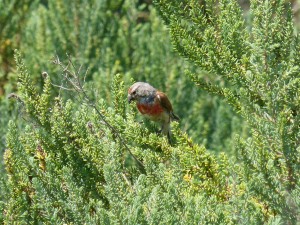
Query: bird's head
column 139, row 91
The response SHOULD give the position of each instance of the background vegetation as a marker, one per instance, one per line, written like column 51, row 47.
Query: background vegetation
column 231, row 70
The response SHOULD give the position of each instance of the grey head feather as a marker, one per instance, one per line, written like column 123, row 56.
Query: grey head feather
column 141, row 92
column 143, row 89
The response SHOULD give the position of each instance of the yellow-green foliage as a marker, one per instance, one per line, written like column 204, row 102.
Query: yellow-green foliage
column 69, row 165
column 83, row 155
column 260, row 61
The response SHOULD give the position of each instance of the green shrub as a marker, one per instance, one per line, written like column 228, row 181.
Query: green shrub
column 83, row 156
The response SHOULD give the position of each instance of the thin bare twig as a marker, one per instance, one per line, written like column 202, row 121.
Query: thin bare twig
column 85, row 74
column 62, row 87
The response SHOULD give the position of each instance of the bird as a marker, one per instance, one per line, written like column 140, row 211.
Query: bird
column 154, row 105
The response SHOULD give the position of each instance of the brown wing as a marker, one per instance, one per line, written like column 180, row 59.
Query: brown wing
column 166, row 104
column 164, row 101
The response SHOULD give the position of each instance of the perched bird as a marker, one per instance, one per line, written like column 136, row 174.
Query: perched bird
column 153, row 104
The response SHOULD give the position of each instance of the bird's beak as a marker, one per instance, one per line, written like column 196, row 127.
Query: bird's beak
column 130, row 98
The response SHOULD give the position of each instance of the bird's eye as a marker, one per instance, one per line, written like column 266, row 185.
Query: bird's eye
column 134, row 92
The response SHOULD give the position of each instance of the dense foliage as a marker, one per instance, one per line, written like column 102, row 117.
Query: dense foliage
column 75, row 152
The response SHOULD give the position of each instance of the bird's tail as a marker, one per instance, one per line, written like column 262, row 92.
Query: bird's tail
column 174, row 117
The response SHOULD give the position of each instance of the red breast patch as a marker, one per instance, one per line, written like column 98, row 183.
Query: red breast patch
column 152, row 110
